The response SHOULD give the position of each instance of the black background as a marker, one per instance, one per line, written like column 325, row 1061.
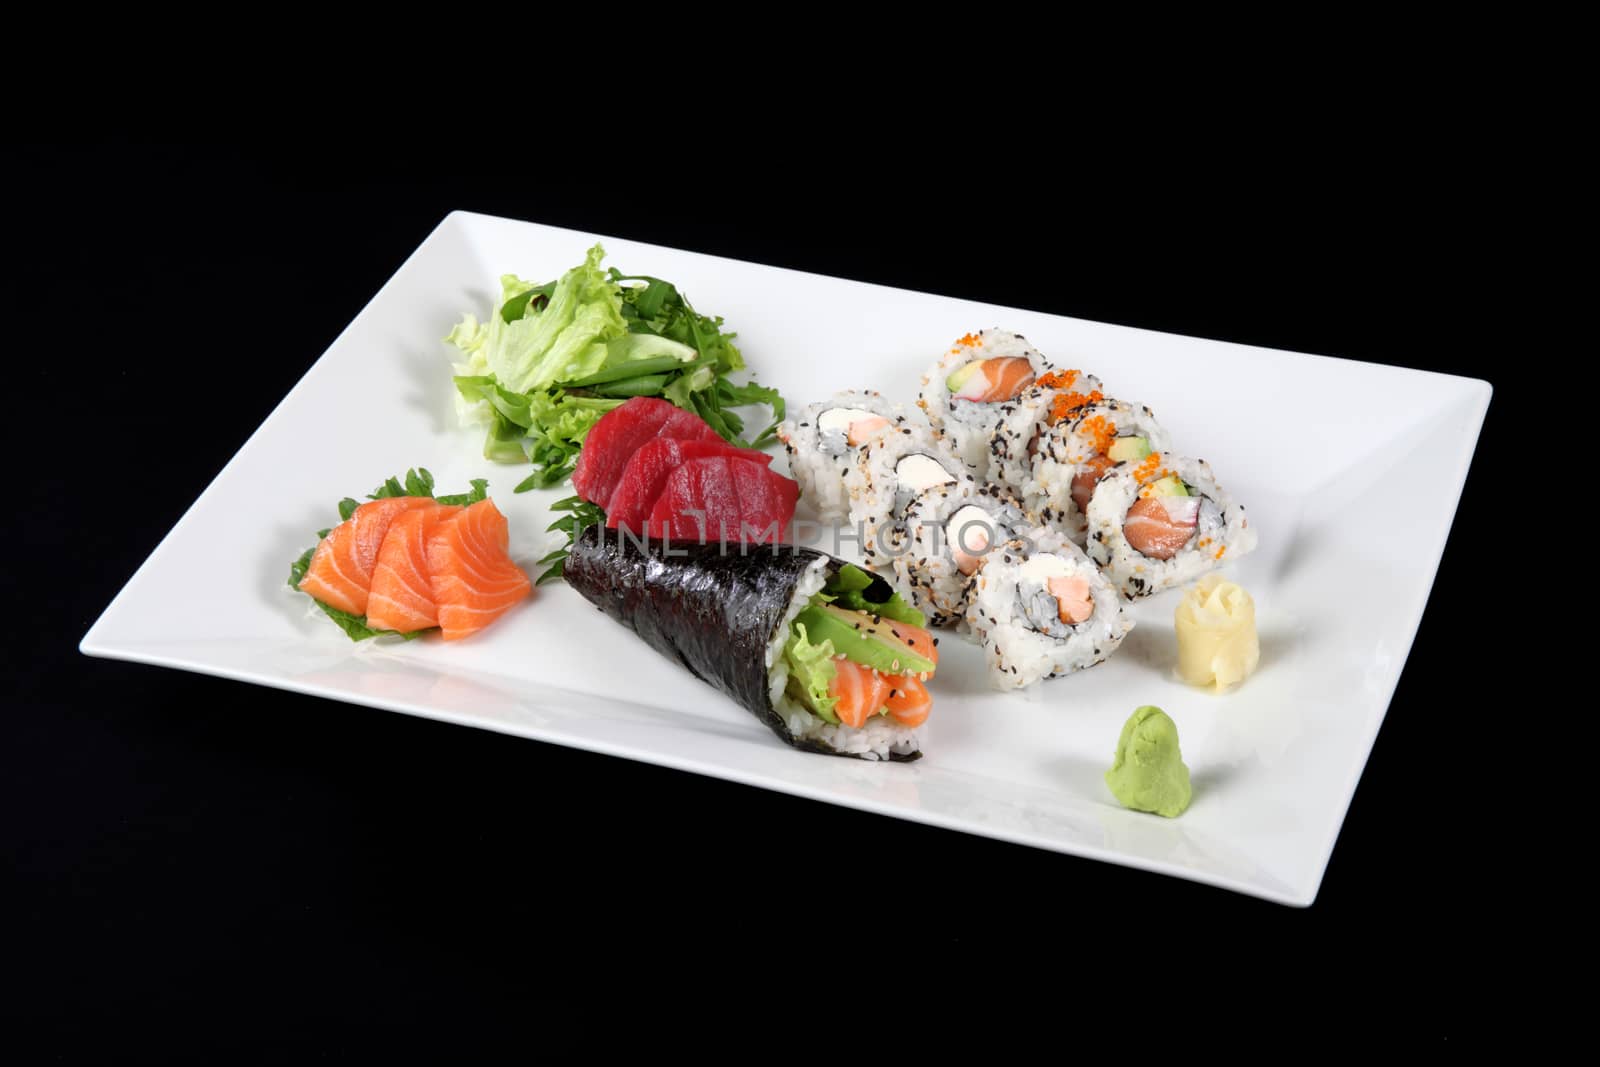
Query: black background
column 188, row 844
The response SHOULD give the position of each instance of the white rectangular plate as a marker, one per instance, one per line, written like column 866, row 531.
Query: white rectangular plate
column 1353, row 502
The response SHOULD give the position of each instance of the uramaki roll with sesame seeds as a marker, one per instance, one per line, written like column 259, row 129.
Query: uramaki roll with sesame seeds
column 941, row 543
column 1162, row 522
column 1040, row 608
column 823, row 438
column 890, row 472
column 1076, row 450
column 967, row 389
column 1015, row 447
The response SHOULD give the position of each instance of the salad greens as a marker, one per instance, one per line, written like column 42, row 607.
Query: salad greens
column 580, row 514
column 417, row 482
column 553, row 358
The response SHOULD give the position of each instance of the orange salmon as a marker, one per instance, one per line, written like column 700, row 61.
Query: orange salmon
column 340, row 574
column 472, row 578
column 1159, row 526
column 402, row 592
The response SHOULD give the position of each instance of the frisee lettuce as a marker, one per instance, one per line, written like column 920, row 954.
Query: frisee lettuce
column 580, row 515
column 417, row 482
column 551, row 359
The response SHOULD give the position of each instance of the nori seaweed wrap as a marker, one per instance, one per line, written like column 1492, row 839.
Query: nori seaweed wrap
column 723, row 611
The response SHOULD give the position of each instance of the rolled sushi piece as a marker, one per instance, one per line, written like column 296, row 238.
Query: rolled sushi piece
column 1163, row 522
column 971, row 387
column 827, row 654
column 942, row 542
column 824, row 438
column 892, row 471
column 1075, row 452
column 1054, row 398
column 1041, row 608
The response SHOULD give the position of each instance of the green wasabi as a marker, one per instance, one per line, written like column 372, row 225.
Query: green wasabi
column 1148, row 773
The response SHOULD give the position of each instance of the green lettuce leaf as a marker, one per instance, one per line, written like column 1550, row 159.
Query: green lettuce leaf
column 565, row 338
column 811, row 672
column 559, row 422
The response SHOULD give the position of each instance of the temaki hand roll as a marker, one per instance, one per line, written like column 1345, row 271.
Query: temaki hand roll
column 825, row 653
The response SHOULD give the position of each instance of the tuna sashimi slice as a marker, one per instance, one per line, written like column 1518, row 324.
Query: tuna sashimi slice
column 611, row 442
column 766, row 500
column 647, row 472
column 721, row 498
column 340, row 574
column 402, row 593
column 471, row 575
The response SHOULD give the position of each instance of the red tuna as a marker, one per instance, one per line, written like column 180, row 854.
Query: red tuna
column 722, row 498
column 611, row 442
column 647, row 472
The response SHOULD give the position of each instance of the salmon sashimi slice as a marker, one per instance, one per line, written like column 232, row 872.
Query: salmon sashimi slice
column 471, row 575
column 994, row 380
column 1088, row 476
column 1159, row 526
column 340, row 574
column 909, row 700
column 860, row 692
column 402, row 592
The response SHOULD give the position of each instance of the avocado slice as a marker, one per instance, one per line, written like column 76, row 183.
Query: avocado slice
column 862, row 638
column 961, row 375
column 1171, row 485
column 1128, row 450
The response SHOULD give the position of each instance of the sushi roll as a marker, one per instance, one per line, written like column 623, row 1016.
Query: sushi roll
column 1040, row 608
column 1052, row 399
column 823, row 439
column 971, row 387
column 1075, row 452
column 1163, row 522
column 942, row 541
column 827, row 654
column 893, row 470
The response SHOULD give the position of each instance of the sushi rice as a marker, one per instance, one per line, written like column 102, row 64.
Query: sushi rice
column 890, row 473
column 1066, row 450
column 1018, row 435
column 1017, row 618
column 821, row 452
column 966, row 426
column 925, row 546
column 1222, row 532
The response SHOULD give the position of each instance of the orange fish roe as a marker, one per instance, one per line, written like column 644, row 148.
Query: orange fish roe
column 1064, row 404
column 1058, row 379
column 1220, row 551
column 968, row 340
column 1147, row 470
